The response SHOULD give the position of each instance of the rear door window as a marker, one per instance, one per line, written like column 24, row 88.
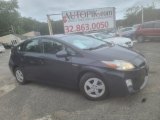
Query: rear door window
column 33, row 46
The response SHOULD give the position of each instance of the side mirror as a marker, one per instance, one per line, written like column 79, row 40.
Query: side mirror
column 61, row 54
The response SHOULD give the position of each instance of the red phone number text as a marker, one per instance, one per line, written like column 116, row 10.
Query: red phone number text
column 86, row 27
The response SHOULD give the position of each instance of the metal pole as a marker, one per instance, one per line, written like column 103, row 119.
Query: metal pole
column 142, row 15
column 12, row 29
column 115, row 25
column 49, row 25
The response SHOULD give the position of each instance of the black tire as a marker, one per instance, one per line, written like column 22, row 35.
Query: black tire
column 133, row 37
column 22, row 81
column 140, row 39
column 83, row 81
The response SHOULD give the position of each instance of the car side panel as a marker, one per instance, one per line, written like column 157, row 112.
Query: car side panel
column 150, row 32
column 157, row 29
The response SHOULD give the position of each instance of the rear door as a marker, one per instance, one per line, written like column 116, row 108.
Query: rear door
column 32, row 59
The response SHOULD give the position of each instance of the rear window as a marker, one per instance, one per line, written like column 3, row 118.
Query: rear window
column 157, row 25
column 148, row 25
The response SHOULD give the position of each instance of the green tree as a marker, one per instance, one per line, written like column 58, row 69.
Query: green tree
column 29, row 24
column 8, row 16
column 134, row 15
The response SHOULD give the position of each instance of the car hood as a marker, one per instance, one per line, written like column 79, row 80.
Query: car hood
column 117, row 40
column 114, row 53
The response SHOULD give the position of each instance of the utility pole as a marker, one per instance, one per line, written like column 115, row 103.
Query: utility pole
column 142, row 14
column 49, row 25
column 12, row 29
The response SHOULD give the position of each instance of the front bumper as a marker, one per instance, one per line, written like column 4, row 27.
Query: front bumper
column 117, row 81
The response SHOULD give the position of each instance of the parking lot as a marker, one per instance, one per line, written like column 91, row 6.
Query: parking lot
column 35, row 101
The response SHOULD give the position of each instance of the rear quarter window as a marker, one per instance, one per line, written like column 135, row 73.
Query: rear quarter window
column 19, row 48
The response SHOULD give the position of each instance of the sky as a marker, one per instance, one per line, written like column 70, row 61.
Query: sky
column 37, row 9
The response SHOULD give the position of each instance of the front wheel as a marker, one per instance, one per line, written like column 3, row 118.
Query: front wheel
column 93, row 87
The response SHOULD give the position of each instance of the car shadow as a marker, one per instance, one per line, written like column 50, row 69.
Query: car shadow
column 41, row 98
column 75, row 94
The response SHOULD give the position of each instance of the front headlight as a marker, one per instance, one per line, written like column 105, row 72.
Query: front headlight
column 119, row 65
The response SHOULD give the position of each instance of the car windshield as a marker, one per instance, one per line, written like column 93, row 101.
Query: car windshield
column 83, row 42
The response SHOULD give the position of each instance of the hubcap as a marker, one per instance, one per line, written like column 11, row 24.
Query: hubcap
column 19, row 76
column 94, row 87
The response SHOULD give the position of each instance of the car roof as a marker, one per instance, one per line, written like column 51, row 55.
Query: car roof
column 126, row 27
column 151, row 22
column 60, row 35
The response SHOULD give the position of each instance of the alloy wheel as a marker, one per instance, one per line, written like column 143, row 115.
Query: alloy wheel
column 94, row 87
column 19, row 76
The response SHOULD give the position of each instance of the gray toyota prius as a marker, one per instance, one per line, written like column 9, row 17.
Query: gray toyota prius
column 97, row 68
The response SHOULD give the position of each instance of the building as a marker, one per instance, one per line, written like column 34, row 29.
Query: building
column 13, row 39
column 10, row 39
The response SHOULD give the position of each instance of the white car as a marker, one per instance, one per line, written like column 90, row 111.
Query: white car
column 2, row 49
column 121, row 41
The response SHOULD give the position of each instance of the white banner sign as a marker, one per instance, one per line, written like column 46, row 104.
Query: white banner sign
column 88, row 20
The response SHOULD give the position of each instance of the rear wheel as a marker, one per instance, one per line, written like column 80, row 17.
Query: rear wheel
column 20, row 76
column 133, row 37
column 93, row 87
column 140, row 39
